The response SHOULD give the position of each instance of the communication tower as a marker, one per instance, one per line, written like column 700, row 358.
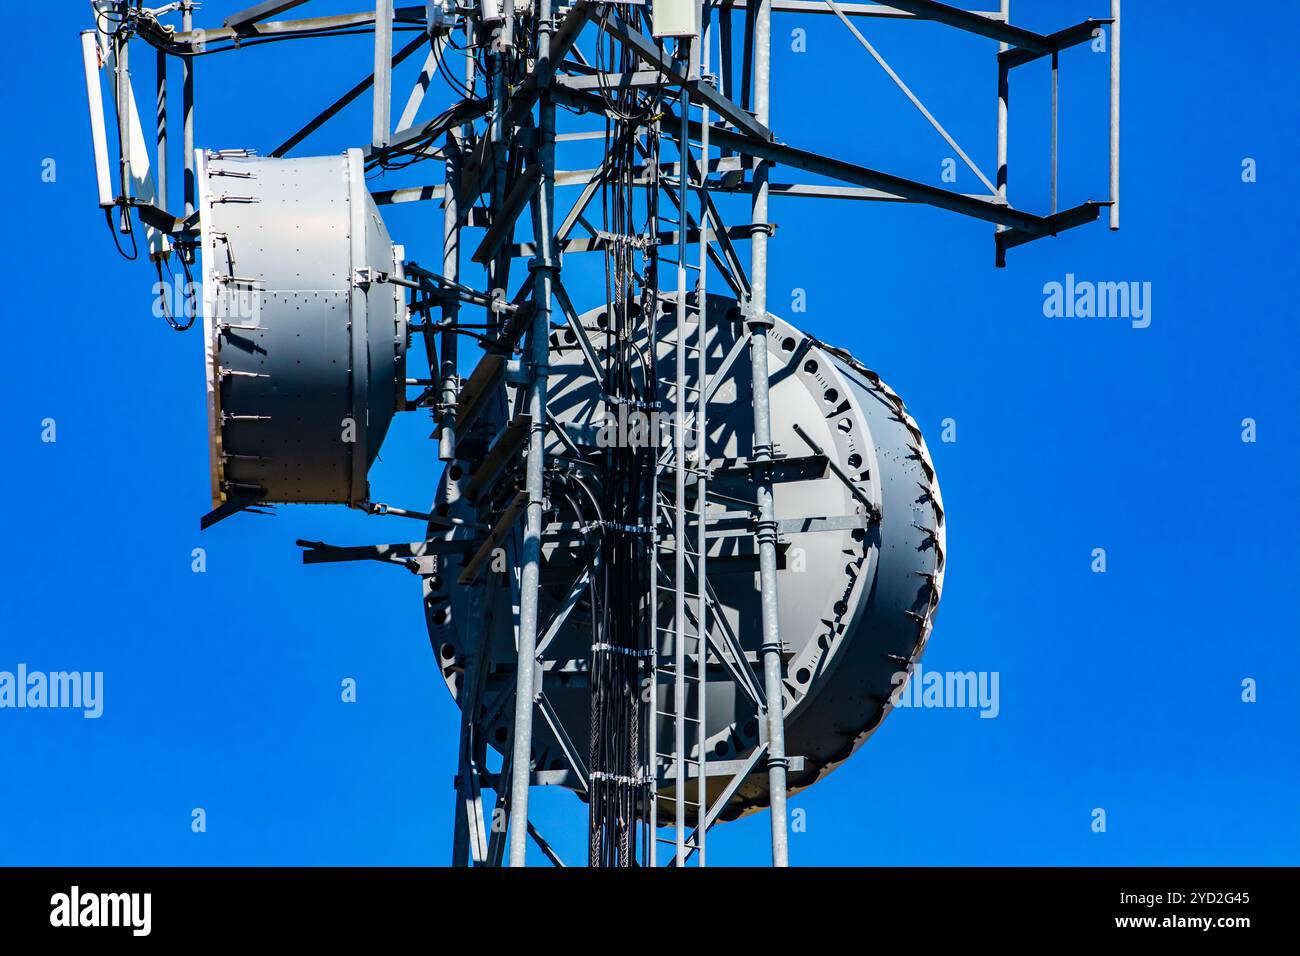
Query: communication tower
column 681, row 551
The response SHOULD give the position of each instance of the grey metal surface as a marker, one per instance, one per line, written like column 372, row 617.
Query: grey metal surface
column 304, row 347
column 858, row 596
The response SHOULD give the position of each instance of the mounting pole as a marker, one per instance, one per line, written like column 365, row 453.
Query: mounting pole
column 1004, row 77
column 1056, row 123
column 187, row 110
column 450, row 304
column 679, row 460
column 543, row 270
column 702, row 436
column 762, row 453
column 1114, row 114
column 383, row 126
column 451, row 232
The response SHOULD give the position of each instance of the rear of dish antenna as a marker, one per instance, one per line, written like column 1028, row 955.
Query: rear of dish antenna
column 303, row 341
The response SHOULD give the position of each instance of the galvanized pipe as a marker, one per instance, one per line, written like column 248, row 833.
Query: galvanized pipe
column 500, row 104
column 701, row 440
column 679, row 461
column 382, row 128
column 762, row 453
column 652, row 676
column 1056, row 115
column 1004, row 77
column 1114, row 114
column 451, row 231
column 448, row 368
column 187, row 112
column 543, row 270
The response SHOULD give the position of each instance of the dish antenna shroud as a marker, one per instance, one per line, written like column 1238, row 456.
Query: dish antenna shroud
column 304, row 346
column 862, row 542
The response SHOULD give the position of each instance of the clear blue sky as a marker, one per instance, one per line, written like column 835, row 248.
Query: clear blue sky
column 1119, row 690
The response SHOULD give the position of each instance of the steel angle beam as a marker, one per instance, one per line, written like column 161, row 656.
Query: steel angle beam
column 463, row 112
column 547, row 850
column 719, row 377
column 389, row 197
column 318, row 552
column 338, row 105
column 1061, row 40
column 476, row 388
column 870, row 10
column 802, row 468
column 722, row 252
column 571, row 754
column 813, row 525
column 422, row 83
column 723, row 768
column 727, row 646
column 598, row 243
column 1060, row 222
column 561, row 615
column 503, row 222
column 975, row 22
column 198, row 39
column 565, row 778
column 519, row 321
column 756, row 758
column 495, row 538
column 575, row 324
column 592, row 180
column 231, row 506
column 260, row 11
column 164, row 221
column 321, row 553
column 989, row 210
column 824, row 191
column 615, row 81
column 504, row 447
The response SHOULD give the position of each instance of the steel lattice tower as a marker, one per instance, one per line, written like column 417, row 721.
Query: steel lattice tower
column 681, row 93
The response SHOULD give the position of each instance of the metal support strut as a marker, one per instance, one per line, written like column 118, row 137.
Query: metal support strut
column 543, row 273
column 762, row 454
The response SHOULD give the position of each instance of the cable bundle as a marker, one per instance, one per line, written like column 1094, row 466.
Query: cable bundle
column 622, row 665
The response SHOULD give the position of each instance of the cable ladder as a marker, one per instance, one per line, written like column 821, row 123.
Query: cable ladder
column 679, row 535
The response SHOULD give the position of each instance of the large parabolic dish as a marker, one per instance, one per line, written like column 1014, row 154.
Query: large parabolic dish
column 861, row 543
column 304, row 348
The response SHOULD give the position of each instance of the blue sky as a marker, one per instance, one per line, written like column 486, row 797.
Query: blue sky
column 1119, row 690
